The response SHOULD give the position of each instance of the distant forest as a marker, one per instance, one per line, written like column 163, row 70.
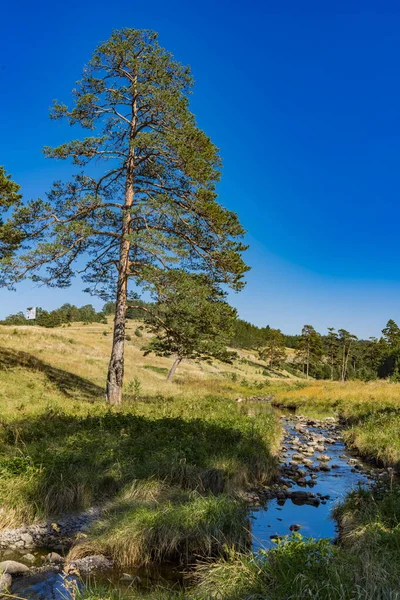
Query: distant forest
column 336, row 355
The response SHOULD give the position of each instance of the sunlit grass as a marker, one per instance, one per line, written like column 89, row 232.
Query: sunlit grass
column 63, row 449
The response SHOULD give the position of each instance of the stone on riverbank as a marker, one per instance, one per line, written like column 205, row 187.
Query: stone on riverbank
column 88, row 564
column 13, row 568
column 5, row 583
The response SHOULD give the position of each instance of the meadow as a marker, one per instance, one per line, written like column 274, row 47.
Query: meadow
column 171, row 465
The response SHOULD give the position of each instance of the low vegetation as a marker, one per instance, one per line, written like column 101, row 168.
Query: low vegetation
column 169, row 468
column 364, row 566
column 170, row 464
column 152, row 523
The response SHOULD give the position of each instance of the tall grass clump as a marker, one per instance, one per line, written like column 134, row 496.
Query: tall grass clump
column 151, row 523
column 370, row 523
column 297, row 569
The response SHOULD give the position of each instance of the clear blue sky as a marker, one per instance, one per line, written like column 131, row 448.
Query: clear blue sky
column 303, row 99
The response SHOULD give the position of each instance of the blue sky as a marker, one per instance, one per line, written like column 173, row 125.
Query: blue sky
column 302, row 98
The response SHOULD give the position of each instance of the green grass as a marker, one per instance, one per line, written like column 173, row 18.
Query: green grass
column 377, row 436
column 62, row 449
column 152, row 524
column 159, row 370
column 170, row 468
column 300, row 569
column 101, row 592
column 363, row 566
column 57, row 462
column 370, row 523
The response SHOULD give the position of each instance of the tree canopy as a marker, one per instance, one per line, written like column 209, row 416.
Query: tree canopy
column 10, row 234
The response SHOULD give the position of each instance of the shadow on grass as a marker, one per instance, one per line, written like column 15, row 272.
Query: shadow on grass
column 69, row 384
column 71, row 462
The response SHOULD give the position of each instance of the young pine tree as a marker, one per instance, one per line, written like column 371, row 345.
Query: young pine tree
column 273, row 348
column 190, row 319
column 145, row 194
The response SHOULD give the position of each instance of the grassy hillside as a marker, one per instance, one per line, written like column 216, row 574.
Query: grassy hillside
column 169, row 465
column 73, row 362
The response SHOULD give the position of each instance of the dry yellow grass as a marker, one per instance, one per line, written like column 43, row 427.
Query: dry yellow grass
column 84, row 350
column 345, row 397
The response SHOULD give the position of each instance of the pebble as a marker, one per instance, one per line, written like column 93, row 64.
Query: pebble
column 324, row 458
column 29, row 558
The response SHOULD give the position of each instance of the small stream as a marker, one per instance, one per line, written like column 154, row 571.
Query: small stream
column 317, row 471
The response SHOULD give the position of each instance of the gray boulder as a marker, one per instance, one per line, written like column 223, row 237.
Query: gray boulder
column 13, row 568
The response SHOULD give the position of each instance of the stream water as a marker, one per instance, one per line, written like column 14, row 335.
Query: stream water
column 317, row 471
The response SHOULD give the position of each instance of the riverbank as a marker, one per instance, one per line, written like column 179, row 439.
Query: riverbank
column 172, row 473
column 314, row 461
column 363, row 565
column 365, row 561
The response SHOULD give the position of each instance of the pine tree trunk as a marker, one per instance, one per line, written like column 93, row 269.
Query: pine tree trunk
column 344, row 361
column 347, row 360
column 115, row 375
column 176, row 364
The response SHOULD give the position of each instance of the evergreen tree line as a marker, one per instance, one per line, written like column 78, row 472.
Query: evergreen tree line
column 69, row 313
column 336, row 355
column 66, row 314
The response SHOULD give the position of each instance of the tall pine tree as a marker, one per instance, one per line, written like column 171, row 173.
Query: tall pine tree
column 145, row 194
column 310, row 348
column 332, row 350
